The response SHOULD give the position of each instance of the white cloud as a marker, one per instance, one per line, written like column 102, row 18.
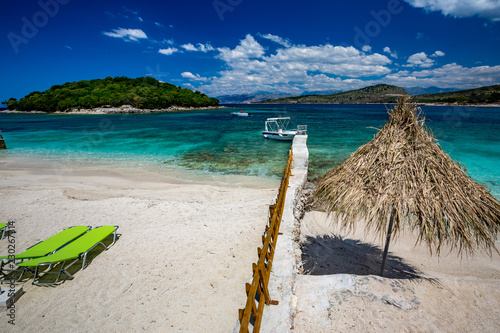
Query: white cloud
column 489, row 9
column 189, row 47
column 366, row 48
column 163, row 41
column 421, row 60
column 387, row 49
column 447, row 76
column 198, row 48
column 248, row 48
column 248, row 68
column 277, row 39
column 168, row 51
column 293, row 69
column 328, row 54
column 127, row 34
column 191, row 76
column 205, row 47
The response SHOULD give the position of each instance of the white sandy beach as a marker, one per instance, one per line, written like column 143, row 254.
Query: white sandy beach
column 185, row 253
column 180, row 264
column 421, row 293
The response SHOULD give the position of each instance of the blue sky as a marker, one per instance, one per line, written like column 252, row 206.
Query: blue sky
column 223, row 47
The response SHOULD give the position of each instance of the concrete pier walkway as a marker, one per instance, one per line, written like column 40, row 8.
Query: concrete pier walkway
column 279, row 318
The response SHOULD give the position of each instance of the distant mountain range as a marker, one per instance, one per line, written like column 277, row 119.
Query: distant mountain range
column 380, row 93
column 483, row 95
column 384, row 93
column 320, row 92
column 249, row 98
column 264, row 95
column 430, row 90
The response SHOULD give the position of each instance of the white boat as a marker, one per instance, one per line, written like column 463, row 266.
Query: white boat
column 276, row 129
column 240, row 114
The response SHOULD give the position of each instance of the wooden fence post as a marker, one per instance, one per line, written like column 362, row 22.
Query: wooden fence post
column 262, row 270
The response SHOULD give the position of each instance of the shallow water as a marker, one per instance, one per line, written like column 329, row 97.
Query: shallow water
column 214, row 142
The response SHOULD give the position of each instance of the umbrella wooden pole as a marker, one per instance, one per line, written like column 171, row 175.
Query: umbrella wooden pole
column 388, row 240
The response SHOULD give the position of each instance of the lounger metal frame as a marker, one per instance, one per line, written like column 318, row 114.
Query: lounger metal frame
column 4, row 231
column 63, row 269
column 4, row 272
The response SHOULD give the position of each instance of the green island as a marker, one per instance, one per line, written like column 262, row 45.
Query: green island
column 140, row 93
column 384, row 93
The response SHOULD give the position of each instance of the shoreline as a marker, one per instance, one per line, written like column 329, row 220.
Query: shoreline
column 120, row 110
column 150, row 173
column 427, row 104
column 178, row 240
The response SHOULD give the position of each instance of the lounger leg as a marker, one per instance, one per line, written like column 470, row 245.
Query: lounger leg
column 22, row 273
column 5, row 272
column 84, row 259
column 114, row 237
column 36, row 273
column 60, row 271
column 50, row 267
column 2, row 273
column 101, row 243
column 70, row 277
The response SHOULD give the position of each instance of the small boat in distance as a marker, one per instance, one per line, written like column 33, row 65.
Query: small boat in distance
column 276, row 129
column 240, row 114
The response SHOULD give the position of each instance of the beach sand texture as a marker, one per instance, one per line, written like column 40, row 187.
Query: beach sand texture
column 185, row 254
column 421, row 293
column 180, row 264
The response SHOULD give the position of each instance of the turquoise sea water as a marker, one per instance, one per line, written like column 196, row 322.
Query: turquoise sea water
column 214, row 142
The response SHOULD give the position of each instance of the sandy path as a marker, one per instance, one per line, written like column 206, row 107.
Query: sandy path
column 182, row 260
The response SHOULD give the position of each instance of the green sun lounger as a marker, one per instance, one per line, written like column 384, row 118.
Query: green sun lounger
column 51, row 244
column 3, row 229
column 74, row 251
column 43, row 248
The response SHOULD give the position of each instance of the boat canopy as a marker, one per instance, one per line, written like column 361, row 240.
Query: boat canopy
column 276, row 124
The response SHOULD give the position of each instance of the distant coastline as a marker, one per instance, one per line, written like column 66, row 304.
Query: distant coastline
column 494, row 105
column 119, row 110
column 388, row 94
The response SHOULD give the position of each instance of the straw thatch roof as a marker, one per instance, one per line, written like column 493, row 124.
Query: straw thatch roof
column 404, row 168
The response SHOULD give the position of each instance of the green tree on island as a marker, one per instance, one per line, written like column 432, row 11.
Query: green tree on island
column 141, row 93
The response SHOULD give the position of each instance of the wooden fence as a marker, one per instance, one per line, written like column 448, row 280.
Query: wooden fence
column 258, row 292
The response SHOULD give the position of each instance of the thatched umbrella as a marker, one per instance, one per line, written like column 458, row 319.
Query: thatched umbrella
column 403, row 178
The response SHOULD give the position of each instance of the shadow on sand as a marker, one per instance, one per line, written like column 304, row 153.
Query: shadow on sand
column 326, row 255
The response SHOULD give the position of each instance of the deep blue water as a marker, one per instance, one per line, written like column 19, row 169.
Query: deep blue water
column 215, row 142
